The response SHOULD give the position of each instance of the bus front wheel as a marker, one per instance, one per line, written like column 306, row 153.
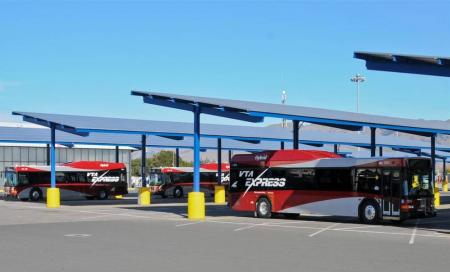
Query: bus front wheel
column 263, row 208
column 369, row 212
column 35, row 194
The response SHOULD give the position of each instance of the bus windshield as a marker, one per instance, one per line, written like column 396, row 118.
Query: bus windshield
column 11, row 179
column 419, row 178
column 158, row 179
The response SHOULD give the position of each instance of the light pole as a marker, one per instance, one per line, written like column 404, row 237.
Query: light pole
column 283, row 101
column 357, row 79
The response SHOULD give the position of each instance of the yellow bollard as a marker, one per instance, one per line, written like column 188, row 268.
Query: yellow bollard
column 53, row 198
column 196, row 206
column 445, row 184
column 144, row 196
column 219, row 194
column 437, row 197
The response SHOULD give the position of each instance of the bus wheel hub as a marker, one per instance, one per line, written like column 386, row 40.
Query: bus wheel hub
column 369, row 212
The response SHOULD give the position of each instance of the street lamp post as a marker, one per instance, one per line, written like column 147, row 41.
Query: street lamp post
column 283, row 101
column 357, row 79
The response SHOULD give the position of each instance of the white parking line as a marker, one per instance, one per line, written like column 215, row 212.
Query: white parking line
column 95, row 217
column 188, row 224
column 250, row 227
column 324, row 229
column 359, row 227
column 413, row 234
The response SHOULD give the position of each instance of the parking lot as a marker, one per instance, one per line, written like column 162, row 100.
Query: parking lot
column 116, row 235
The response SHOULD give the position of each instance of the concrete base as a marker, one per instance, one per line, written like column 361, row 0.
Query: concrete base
column 219, row 194
column 196, row 206
column 53, row 198
column 437, row 197
column 144, row 196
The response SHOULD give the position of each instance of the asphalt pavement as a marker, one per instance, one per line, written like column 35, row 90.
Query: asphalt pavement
column 118, row 235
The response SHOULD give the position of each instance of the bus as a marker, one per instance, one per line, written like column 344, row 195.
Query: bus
column 294, row 182
column 177, row 181
column 89, row 179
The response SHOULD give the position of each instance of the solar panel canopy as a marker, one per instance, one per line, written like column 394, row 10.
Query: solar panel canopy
column 112, row 132
column 333, row 118
column 413, row 64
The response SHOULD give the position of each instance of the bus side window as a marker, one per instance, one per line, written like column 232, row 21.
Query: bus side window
column 60, row 177
column 82, row 177
column 23, row 179
column 304, row 179
column 70, row 177
column 334, row 179
column 368, row 181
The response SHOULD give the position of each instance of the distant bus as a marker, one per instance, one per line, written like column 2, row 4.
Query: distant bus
column 89, row 179
column 294, row 182
column 178, row 181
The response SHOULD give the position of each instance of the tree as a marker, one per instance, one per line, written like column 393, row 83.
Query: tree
column 160, row 159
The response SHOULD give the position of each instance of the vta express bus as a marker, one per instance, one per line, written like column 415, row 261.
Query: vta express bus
column 90, row 179
column 296, row 182
column 178, row 181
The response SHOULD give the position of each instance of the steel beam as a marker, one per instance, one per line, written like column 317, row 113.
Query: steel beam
column 295, row 127
column 433, row 157
column 177, row 157
column 143, row 160
column 196, row 187
column 373, row 142
column 219, row 161
column 52, row 156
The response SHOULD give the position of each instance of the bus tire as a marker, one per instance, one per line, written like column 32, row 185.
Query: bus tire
column 369, row 212
column 102, row 195
column 178, row 192
column 263, row 208
column 291, row 215
column 35, row 195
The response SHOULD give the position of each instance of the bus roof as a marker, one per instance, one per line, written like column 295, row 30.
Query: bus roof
column 312, row 159
column 207, row 167
column 79, row 166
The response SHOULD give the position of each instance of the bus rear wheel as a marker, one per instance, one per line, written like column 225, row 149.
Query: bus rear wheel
column 369, row 212
column 35, row 194
column 263, row 208
column 178, row 192
column 102, row 195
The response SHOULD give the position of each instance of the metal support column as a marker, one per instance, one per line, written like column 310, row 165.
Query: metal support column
column 282, row 145
column 295, row 127
column 372, row 142
column 177, row 157
column 336, row 149
column 117, row 153
column 48, row 154
column 443, row 168
column 433, row 157
column 52, row 157
column 196, row 187
column 229, row 156
column 380, row 151
column 143, row 160
column 219, row 161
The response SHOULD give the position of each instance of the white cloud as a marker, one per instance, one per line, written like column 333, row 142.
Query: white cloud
column 6, row 84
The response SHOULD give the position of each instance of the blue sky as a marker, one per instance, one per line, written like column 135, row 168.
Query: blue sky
column 84, row 57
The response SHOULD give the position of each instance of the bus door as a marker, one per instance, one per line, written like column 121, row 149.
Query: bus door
column 391, row 193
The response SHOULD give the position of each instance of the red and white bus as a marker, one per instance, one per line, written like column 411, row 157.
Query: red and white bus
column 178, row 181
column 90, row 179
column 294, row 182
